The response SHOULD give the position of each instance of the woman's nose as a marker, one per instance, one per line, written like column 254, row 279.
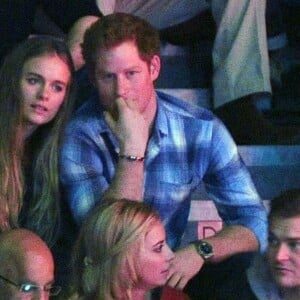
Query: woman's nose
column 170, row 254
column 43, row 93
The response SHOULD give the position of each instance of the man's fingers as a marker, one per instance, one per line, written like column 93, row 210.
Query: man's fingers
column 123, row 103
column 109, row 120
column 174, row 280
column 182, row 283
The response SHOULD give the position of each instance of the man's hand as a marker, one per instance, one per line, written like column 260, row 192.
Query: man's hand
column 186, row 264
column 130, row 127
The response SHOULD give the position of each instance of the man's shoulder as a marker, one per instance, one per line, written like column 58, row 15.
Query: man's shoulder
column 260, row 279
column 180, row 107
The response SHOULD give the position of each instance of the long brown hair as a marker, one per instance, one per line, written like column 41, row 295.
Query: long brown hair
column 43, row 211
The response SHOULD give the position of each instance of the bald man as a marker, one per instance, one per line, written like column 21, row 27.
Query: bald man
column 75, row 38
column 26, row 267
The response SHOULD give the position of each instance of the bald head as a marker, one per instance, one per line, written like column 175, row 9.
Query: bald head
column 75, row 38
column 24, row 258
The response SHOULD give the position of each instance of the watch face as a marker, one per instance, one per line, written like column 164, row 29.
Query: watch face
column 204, row 249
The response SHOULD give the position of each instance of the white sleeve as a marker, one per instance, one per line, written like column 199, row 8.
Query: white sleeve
column 106, row 7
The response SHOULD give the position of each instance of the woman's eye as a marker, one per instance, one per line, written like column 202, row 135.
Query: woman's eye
column 159, row 248
column 58, row 87
column 32, row 80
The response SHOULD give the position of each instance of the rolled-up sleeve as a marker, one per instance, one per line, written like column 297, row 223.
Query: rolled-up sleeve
column 230, row 185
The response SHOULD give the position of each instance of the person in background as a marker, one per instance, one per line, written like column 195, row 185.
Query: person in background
column 26, row 267
column 74, row 39
column 132, row 141
column 276, row 275
column 121, row 252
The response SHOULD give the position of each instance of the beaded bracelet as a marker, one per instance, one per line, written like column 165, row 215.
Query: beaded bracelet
column 131, row 157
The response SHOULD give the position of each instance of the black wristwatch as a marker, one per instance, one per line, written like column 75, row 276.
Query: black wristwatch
column 204, row 249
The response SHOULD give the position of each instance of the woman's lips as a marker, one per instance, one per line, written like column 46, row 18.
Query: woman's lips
column 39, row 108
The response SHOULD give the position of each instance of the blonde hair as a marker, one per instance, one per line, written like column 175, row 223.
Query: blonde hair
column 104, row 258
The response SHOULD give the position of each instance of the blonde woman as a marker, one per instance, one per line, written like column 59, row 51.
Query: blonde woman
column 121, row 252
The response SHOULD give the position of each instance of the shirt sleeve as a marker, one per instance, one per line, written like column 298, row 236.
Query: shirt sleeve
column 82, row 171
column 229, row 183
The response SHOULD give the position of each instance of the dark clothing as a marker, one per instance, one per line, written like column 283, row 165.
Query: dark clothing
column 65, row 13
column 224, row 281
column 16, row 23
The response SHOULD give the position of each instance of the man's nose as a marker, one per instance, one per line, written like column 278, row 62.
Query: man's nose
column 283, row 252
column 121, row 86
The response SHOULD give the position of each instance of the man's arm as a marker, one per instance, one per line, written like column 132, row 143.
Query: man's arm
column 226, row 243
column 132, row 132
column 229, row 184
column 128, row 181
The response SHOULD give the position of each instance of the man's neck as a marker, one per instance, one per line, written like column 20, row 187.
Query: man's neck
column 291, row 293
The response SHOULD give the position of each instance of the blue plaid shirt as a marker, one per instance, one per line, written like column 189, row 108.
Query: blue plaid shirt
column 188, row 146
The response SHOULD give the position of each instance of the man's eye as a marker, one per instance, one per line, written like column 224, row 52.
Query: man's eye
column 273, row 242
column 131, row 73
column 294, row 245
column 106, row 76
column 29, row 288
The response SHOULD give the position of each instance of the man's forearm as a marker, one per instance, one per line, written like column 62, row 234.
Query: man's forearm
column 128, row 181
column 232, row 240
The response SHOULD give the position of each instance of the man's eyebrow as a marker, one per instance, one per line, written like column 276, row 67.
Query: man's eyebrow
column 29, row 281
column 293, row 239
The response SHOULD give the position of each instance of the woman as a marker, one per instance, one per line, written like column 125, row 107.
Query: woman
column 121, row 252
column 35, row 100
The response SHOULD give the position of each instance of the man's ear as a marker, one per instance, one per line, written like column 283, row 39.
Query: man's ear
column 155, row 67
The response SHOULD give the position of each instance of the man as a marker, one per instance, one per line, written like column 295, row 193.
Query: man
column 241, row 71
column 129, row 141
column 75, row 38
column 277, row 274
column 26, row 267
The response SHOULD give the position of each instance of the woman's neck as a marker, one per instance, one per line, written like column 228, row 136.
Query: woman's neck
column 28, row 130
column 138, row 294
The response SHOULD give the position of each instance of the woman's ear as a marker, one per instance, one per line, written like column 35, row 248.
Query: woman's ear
column 155, row 67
